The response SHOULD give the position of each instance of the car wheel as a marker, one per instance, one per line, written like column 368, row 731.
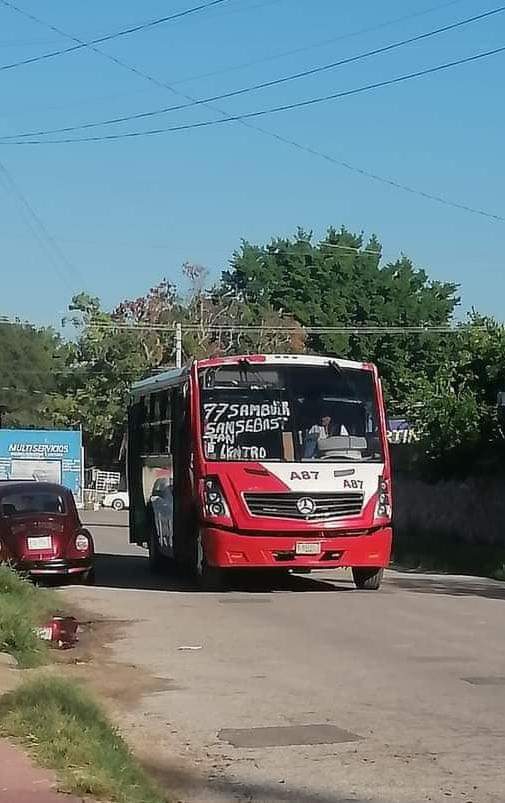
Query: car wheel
column 368, row 579
column 88, row 578
column 118, row 504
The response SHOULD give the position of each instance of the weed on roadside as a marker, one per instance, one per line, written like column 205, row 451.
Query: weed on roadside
column 68, row 732
column 23, row 608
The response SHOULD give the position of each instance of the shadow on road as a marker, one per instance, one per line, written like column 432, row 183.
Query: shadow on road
column 450, row 586
column 132, row 572
column 220, row 788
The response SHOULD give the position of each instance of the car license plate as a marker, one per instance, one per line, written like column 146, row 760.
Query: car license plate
column 40, row 543
column 308, row 548
column 45, row 633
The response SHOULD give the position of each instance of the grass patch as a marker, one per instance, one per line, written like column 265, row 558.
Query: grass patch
column 68, row 732
column 23, row 608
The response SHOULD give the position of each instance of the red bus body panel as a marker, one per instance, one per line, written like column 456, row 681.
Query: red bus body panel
column 227, row 548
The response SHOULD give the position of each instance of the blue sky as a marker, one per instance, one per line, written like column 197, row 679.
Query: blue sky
column 124, row 214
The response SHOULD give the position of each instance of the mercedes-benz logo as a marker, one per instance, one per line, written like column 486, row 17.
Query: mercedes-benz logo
column 306, row 506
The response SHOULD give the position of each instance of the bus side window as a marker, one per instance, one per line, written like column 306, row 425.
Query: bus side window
column 180, row 405
column 167, row 423
column 164, row 425
column 150, row 424
column 143, row 425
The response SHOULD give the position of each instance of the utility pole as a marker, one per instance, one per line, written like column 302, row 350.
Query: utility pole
column 178, row 345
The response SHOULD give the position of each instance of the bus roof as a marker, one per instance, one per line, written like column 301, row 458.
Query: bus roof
column 281, row 359
column 174, row 376
column 159, row 381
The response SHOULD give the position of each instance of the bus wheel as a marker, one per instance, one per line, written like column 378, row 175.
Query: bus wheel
column 368, row 579
column 210, row 578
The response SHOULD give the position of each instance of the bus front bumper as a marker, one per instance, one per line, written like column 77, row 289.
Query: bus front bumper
column 229, row 549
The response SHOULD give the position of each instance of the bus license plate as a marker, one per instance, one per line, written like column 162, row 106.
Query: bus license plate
column 42, row 542
column 308, row 548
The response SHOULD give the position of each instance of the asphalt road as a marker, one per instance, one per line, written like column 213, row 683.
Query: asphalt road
column 403, row 690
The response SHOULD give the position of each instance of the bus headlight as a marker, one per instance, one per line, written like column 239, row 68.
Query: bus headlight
column 383, row 509
column 214, row 499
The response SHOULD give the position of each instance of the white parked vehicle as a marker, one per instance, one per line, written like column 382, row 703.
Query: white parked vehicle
column 117, row 500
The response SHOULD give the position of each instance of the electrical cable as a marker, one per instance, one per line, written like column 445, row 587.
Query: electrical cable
column 101, row 39
column 262, row 85
column 272, row 109
column 279, row 137
column 39, row 230
column 321, row 43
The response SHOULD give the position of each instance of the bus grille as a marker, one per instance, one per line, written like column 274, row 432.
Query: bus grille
column 304, row 507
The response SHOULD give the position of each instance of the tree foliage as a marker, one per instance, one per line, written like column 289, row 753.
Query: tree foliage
column 30, row 359
column 113, row 349
column 103, row 360
column 265, row 301
column 341, row 282
column 456, row 415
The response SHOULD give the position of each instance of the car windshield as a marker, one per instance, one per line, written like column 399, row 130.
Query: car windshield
column 289, row 413
column 22, row 503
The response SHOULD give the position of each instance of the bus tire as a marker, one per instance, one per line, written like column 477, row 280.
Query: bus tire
column 368, row 579
column 210, row 578
column 157, row 561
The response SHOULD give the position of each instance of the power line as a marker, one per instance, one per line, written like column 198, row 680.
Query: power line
column 107, row 37
column 355, row 249
column 274, row 135
column 33, row 42
column 309, row 330
column 363, row 329
column 273, row 57
column 272, row 249
column 264, row 84
column 272, row 109
column 389, row 182
column 115, row 60
column 30, row 391
column 321, row 43
column 39, row 230
column 26, row 43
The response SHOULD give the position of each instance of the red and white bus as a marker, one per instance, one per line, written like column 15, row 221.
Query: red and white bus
column 265, row 461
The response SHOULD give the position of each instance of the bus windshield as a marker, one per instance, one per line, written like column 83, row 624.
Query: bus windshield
column 289, row 413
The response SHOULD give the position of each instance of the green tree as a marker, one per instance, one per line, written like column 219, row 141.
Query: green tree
column 218, row 322
column 341, row 281
column 111, row 350
column 106, row 356
column 30, row 361
column 460, row 425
